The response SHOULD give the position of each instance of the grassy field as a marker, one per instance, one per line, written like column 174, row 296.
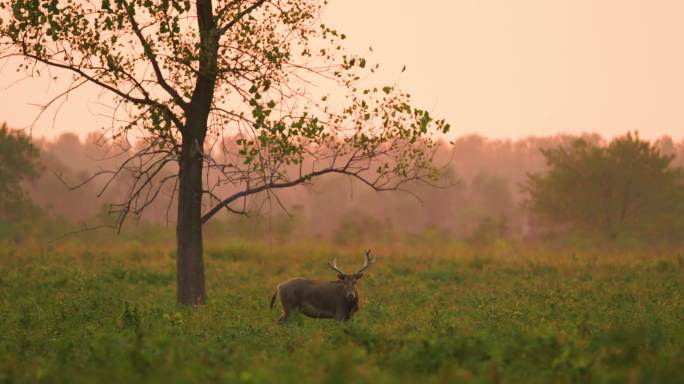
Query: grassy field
column 84, row 311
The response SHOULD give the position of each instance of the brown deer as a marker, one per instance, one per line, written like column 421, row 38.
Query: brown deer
column 338, row 299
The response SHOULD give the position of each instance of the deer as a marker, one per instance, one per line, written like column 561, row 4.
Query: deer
column 337, row 299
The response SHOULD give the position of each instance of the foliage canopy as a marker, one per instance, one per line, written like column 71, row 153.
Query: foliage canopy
column 259, row 85
column 19, row 162
column 628, row 186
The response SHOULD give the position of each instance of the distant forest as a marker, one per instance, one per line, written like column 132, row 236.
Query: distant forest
column 484, row 199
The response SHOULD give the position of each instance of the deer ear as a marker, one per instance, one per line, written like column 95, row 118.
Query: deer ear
column 358, row 276
column 340, row 276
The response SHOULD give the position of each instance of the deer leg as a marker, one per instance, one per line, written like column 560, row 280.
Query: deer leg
column 287, row 310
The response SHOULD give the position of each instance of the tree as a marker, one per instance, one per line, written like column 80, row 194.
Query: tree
column 19, row 162
column 626, row 186
column 257, row 95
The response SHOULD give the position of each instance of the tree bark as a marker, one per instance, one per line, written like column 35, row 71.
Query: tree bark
column 190, row 263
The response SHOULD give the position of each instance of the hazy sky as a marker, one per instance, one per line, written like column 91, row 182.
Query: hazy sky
column 500, row 68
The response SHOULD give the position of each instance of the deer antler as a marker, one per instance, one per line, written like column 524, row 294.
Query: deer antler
column 367, row 262
column 333, row 265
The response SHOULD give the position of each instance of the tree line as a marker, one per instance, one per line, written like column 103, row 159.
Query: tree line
column 531, row 188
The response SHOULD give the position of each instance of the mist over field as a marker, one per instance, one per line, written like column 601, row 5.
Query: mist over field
column 484, row 176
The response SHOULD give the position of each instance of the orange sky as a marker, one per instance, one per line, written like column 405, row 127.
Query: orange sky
column 500, row 68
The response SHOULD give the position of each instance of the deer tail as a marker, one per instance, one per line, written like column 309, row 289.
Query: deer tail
column 275, row 293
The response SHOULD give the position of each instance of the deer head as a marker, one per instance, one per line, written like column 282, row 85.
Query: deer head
column 349, row 280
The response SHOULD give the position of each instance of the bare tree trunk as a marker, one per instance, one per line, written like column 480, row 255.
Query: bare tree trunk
column 190, row 263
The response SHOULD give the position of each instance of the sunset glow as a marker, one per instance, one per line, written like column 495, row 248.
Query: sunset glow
column 495, row 67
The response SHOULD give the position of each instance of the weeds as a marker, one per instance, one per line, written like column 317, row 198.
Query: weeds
column 86, row 312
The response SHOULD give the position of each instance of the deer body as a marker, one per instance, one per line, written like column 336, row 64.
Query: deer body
column 317, row 299
column 338, row 299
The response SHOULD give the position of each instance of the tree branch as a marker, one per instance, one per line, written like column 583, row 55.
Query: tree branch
column 300, row 180
column 135, row 100
column 240, row 15
column 152, row 57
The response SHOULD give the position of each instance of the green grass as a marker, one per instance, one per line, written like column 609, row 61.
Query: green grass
column 84, row 312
